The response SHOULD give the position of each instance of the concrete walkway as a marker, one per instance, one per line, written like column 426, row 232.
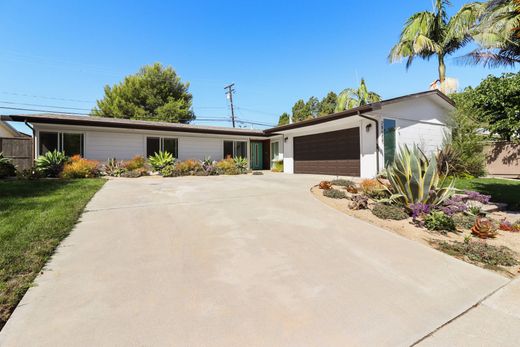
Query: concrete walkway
column 238, row 261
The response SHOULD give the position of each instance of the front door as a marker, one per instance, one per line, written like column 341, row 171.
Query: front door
column 256, row 155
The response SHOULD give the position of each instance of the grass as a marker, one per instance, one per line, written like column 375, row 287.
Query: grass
column 35, row 216
column 501, row 190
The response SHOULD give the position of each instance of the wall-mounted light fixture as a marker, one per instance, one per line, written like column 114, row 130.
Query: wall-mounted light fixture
column 285, row 139
column 368, row 127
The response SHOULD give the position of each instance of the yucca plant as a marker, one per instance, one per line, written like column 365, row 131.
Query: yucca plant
column 415, row 179
column 160, row 160
column 51, row 163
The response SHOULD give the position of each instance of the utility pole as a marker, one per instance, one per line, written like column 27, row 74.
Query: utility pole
column 229, row 94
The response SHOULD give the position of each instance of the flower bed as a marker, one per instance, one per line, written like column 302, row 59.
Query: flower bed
column 416, row 203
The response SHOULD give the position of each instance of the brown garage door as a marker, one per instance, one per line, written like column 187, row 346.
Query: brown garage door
column 332, row 153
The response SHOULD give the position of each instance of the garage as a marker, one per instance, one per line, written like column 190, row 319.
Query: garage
column 330, row 153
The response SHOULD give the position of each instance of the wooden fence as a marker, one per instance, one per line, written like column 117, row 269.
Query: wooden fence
column 503, row 159
column 19, row 150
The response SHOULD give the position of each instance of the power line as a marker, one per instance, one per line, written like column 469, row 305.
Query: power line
column 51, row 106
column 45, row 97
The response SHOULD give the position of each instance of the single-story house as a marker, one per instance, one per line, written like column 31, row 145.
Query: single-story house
column 355, row 142
column 7, row 131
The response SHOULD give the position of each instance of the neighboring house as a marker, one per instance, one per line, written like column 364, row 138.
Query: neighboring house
column 355, row 142
column 7, row 131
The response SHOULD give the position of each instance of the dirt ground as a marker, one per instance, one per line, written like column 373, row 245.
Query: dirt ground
column 407, row 229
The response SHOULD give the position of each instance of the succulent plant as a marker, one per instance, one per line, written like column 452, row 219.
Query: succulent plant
column 51, row 163
column 359, row 202
column 414, row 178
column 484, row 228
column 325, row 185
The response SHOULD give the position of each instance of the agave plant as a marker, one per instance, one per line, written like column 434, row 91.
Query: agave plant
column 160, row 160
column 51, row 163
column 415, row 179
column 241, row 164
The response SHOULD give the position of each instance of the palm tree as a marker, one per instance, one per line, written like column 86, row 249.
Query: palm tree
column 430, row 33
column 497, row 32
column 350, row 97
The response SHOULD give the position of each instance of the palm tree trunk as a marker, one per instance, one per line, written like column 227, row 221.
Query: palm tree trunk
column 442, row 68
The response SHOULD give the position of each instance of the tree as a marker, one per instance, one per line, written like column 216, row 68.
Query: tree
column 496, row 103
column 431, row 33
column 312, row 107
column 350, row 97
column 284, row 119
column 497, row 32
column 300, row 111
column 465, row 147
column 154, row 93
column 328, row 104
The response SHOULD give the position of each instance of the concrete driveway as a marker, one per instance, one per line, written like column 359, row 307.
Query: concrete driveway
column 237, row 261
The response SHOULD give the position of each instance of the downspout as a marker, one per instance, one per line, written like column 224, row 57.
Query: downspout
column 33, row 151
column 377, row 137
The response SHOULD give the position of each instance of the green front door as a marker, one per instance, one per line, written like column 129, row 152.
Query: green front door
column 256, row 155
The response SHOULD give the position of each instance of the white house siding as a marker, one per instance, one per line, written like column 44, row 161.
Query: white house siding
column 123, row 144
column 200, row 148
column 421, row 121
column 104, row 145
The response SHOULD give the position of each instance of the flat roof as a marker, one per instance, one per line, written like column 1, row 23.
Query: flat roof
column 49, row 118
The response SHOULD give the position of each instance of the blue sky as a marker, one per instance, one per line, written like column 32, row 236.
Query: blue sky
column 62, row 53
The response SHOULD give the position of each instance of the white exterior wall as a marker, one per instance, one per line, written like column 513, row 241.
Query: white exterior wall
column 6, row 131
column 422, row 121
column 123, row 144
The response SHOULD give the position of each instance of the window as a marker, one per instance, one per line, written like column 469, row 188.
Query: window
column 241, row 149
column 48, row 142
column 165, row 144
column 235, row 149
column 72, row 144
column 69, row 143
column 275, row 151
column 153, row 145
column 389, row 141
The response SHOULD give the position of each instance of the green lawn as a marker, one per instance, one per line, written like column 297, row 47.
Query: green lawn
column 34, row 217
column 501, row 190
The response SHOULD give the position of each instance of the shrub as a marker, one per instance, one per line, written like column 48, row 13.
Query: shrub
column 51, row 163
column 7, row 168
column 208, row 166
column 79, row 167
column 160, row 160
column 374, row 189
column 343, row 183
column 226, row 167
column 453, row 205
column 139, row 172
column 414, row 178
column 384, row 211
column 170, row 171
column 136, row 162
column 359, row 202
column 334, row 194
column 241, row 165
column 439, row 221
column 515, row 228
column 479, row 251
column 419, row 210
column 476, row 196
column 29, row 174
column 188, row 167
column 464, row 221
column 113, row 168
column 277, row 166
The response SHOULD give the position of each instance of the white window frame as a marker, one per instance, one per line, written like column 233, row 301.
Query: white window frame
column 161, row 143
column 276, row 156
column 60, row 134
